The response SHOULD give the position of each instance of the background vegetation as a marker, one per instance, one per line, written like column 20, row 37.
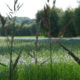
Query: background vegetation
column 58, row 19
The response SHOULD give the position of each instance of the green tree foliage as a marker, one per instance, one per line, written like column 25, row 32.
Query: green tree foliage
column 54, row 23
column 77, row 20
column 66, row 17
column 39, row 15
column 59, row 12
column 26, row 30
column 54, row 30
column 29, row 29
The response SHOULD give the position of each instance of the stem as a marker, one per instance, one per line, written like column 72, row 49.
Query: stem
column 50, row 57
column 12, row 41
column 36, row 42
column 11, row 72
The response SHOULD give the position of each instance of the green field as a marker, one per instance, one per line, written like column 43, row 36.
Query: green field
column 63, row 66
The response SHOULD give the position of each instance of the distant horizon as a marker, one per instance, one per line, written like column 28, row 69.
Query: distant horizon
column 31, row 7
column 19, row 17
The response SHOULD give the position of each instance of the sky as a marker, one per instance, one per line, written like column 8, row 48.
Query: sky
column 31, row 7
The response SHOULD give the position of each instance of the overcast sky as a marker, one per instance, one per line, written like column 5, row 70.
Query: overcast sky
column 30, row 7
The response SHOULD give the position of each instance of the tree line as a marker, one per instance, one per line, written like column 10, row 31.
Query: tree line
column 25, row 30
column 28, row 29
column 58, row 19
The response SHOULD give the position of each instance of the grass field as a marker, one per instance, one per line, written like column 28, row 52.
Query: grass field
column 63, row 66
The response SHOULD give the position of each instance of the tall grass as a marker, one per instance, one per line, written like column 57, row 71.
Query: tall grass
column 10, row 41
column 61, row 71
column 64, row 67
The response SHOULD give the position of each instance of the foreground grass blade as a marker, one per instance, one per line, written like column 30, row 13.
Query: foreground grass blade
column 3, row 64
column 71, row 54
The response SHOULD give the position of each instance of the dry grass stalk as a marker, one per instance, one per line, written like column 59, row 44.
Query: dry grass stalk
column 45, row 21
column 54, row 2
column 30, row 55
column 61, row 33
column 3, row 22
column 37, row 34
column 3, row 64
column 71, row 53
column 12, row 21
column 17, row 59
column 44, row 61
column 36, row 43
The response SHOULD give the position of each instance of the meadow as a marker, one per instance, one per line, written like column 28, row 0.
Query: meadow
column 63, row 65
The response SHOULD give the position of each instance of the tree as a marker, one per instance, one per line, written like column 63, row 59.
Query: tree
column 54, row 23
column 77, row 20
column 53, row 17
column 70, row 30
